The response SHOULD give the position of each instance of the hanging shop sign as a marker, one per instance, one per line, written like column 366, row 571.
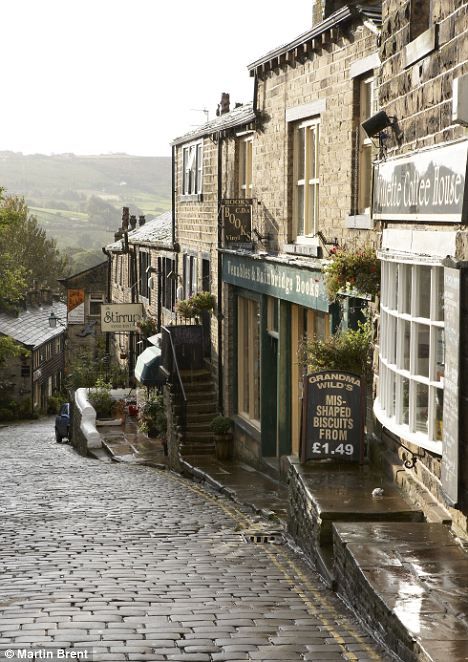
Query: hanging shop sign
column 302, row 286
column 236, row 217
column 333, row 417
column 426, row 186
column 116, row 317
column 75, row 306
column 451, row 413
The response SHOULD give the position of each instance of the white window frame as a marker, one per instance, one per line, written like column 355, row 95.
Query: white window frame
column 192, row 168
column 95, row 297
column 367, row 107
column 245, row 166
column 402, row 297
column 308, row 180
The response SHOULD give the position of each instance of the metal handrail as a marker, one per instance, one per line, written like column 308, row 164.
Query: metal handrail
column 175, row 368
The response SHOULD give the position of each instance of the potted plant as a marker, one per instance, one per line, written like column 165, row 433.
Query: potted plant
column 186, row 310
column 152, row 417
column 222, row 431
column 108, row 410
column 203, row 301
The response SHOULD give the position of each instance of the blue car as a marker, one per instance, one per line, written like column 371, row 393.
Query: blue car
column 62, row 423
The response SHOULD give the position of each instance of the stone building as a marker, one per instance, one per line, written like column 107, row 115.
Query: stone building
column 26, row 382
column 85, row 292
column 307, row 168
column 140, row 264
column 420, row 208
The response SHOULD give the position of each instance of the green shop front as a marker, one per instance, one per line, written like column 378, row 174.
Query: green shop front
column 274, row 308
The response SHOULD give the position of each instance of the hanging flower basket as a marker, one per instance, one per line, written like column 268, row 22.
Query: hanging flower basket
column 147, row 327
column 353, row 272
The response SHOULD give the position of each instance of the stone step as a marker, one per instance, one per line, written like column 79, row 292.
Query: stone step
column 411, row 578
column 197, row 449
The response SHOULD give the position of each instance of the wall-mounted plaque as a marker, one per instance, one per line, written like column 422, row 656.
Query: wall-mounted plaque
column 236, row 218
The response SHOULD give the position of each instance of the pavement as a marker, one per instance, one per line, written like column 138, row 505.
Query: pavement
column 407, row 578
column 129, row 562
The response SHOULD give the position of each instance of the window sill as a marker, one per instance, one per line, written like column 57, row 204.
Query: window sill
column 247, row 427
column 310, row 250
column 421, row 46
column 402, row 431
column 359, row 222
column 195, row 197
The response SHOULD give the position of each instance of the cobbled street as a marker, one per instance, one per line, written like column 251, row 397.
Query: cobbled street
column 141, row 564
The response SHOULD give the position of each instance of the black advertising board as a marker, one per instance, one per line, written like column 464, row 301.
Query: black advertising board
column 451, row 427
column 236, row 215
column 332, row 416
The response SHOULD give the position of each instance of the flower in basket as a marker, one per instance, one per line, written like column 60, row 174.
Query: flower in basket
column 185, row 309
column 147, row 326
column 353, row 271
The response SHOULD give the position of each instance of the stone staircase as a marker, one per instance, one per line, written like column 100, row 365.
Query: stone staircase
column 202, row 406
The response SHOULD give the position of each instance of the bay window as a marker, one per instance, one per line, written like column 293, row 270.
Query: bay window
column 412, row 352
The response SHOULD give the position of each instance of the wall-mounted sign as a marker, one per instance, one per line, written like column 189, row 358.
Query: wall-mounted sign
column 300, row 286
column 426, row 186
column 451, row 418
column 332, row 417
column 75, row 306
column 236, row 215
column 117, row 317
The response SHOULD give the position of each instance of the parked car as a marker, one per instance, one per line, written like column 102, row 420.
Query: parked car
column 62, row 423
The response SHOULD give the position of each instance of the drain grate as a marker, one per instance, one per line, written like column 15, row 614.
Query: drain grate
column 263, row 537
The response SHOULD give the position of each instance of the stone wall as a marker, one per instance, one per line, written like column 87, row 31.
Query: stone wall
column 420, row 94
column 324, row 76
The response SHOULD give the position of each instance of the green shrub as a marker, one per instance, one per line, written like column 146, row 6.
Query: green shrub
column 101, row 399
column 152, row 415
column 221, row 424
column 349, row 351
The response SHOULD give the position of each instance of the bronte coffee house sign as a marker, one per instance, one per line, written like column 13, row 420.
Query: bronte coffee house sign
column 427, row 186
column 332, row 417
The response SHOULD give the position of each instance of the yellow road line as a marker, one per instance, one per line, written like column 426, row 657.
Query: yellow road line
column 242, row 520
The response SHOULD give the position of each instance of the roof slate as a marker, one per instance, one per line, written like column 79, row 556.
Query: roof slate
column 31, row 327
column 158, row 231
column 238, row 117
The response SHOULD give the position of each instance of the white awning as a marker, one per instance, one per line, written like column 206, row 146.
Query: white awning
column 147, row 367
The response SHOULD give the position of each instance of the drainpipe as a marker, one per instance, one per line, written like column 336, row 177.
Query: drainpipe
column 108, row 293
column 220, row 281
column 173, row 194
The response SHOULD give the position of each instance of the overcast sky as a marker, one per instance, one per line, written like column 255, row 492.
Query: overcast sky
column 101, row 76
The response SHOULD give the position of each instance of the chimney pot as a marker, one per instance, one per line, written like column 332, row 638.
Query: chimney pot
column 141, row 220
column 133, row 222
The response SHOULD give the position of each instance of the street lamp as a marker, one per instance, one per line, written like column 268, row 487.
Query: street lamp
column 53, row 319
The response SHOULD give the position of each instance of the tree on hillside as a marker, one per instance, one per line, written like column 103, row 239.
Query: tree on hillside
column 27, row 243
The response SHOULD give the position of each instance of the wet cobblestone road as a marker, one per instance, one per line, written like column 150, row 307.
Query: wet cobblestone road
column 140, row 564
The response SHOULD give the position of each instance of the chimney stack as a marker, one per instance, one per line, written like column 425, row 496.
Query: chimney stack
column 133, row 222
column 141, row 221
column 223, row 106
column 125, row 217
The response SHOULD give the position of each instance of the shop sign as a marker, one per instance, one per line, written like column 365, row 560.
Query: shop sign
column 451, row 418
column 426, row 186
column 332, row 417
column 236, row 215
column 75, row 306
column 301, row 286
column 116, row 317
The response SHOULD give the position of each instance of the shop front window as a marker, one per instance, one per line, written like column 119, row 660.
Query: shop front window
column 412, row 352
column 248, row 360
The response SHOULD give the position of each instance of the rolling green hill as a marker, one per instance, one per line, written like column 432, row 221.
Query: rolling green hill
column 79, row 199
